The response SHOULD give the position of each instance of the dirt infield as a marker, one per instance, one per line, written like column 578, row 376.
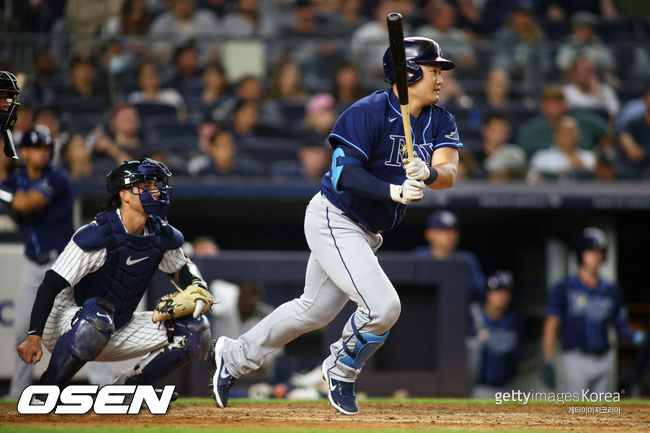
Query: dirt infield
column 373, row 417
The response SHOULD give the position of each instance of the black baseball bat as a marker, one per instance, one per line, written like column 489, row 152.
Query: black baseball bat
column 396, row 40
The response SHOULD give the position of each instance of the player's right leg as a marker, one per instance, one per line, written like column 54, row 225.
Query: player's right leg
column 575, row 371
column 318, row 305
column 346, row 251
column 90, row 331
column 163, row 350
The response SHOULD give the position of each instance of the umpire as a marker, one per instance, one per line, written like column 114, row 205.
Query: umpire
column 40, row 197
column 582, row 307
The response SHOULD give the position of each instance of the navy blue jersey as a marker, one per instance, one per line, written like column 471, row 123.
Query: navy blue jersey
column 51, row 227
column 500, row 345
column 372, row 129
column 476, row 280
column 586, row 314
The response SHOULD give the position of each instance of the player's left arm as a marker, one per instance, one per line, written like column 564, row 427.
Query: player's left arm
column 26, row 202
column 176, row 264
column 39, row 194
column 445, row 161
column 441, row 173
column 195, row 299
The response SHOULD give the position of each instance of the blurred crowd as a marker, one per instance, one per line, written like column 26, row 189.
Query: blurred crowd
column 544, row 90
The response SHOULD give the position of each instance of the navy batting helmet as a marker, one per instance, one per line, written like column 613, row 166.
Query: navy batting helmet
column 37, row 137
column 417, row 50
column 9, row 110
column 129, row 173
column 591, row 238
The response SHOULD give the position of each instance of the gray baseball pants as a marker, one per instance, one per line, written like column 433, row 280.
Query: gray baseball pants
column 342, row 266
column 582, row 371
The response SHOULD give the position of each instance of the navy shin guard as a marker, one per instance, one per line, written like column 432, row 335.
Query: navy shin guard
column 91, row 331
column 195, row 344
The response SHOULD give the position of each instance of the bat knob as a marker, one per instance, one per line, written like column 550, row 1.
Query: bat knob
column 394, row 16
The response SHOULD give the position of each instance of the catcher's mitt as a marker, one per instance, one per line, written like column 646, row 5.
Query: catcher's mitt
column 193, row 300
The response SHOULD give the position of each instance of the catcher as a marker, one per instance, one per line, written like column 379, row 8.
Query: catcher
column 85, row 306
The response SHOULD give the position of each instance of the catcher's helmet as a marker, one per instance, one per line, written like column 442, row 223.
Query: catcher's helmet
column 591, row 238
column 9, row 114
column 37, row 137
column 130, row 173
column 417, row 50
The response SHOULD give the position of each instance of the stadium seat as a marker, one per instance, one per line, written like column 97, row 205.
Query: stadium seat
column 293, row 114
column 76, row 105
column 146, row 109
column 83, row 123
column 269, row 149
column 157, row 120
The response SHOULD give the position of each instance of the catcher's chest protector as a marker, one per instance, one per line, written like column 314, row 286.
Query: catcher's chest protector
column 130, row 262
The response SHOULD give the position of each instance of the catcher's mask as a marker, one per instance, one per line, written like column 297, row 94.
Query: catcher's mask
column 132, row 175
column 9, row 103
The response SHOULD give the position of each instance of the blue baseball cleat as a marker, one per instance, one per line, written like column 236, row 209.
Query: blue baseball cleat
column 341, row 394
column 222, row 380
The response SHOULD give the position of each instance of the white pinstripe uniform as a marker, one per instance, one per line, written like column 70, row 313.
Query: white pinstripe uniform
column 137, row 337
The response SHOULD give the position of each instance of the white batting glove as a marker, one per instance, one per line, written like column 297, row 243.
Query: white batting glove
column 410, row 190
column 417, row 169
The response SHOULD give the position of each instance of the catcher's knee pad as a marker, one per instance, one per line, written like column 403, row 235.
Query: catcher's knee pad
column 367, row 344
column 196, row 333
column 91, row 330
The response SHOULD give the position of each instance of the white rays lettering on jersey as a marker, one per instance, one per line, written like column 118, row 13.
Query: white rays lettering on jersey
column 398, row 148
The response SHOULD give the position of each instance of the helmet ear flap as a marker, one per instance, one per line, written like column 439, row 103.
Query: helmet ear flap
column 415, row 69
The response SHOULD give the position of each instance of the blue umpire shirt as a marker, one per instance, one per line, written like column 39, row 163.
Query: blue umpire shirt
column 48, row 229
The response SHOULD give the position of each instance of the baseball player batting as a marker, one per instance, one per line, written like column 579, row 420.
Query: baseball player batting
column 85, row 306
column 365, row 193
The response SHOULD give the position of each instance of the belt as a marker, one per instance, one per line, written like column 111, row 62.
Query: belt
column 44, row 258
column 352, row 219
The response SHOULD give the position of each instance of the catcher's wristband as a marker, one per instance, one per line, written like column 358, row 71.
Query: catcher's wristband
column 199, row 282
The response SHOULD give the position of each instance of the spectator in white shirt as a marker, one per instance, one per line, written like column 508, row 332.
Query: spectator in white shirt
column 150, row 91
column 586, row 90
column 565, row 159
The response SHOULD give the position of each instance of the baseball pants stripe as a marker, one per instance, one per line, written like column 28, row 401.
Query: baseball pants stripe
column 338, row 246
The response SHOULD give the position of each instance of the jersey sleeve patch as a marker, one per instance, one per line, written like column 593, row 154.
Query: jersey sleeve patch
column 447, row 134
column 89, row 238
